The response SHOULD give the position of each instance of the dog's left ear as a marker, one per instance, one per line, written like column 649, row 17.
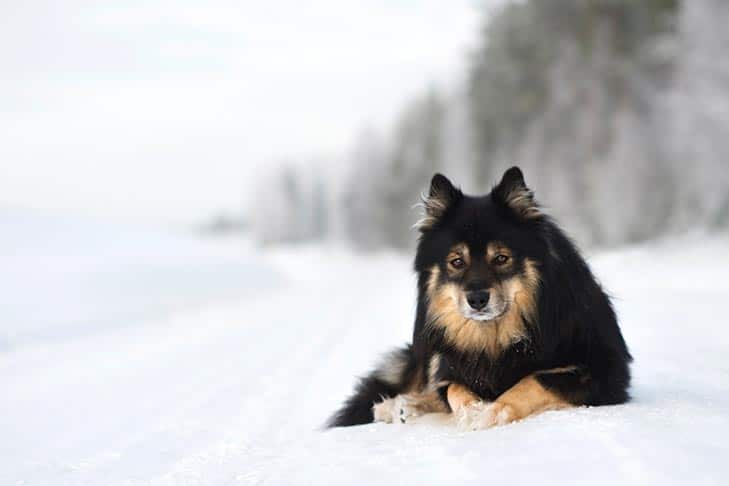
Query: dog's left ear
column 513, row 193
column 441, row 197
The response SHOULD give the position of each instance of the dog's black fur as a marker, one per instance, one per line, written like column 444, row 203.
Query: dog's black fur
column 571, row 330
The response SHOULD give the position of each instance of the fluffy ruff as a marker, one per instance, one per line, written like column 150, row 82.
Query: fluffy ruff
column 542, row 334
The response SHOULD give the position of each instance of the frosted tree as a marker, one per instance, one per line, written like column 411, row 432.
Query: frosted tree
column 617, row 110
column 362, row 201
column 389, row 176
column 291, row 205
column 567, row 89
column 698, row 118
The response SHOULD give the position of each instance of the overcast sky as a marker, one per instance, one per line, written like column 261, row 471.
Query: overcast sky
column 167, row 110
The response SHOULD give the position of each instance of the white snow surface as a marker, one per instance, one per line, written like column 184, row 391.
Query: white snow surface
column 134, row 358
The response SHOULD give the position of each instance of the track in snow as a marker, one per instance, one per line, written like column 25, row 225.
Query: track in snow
column 235, row 392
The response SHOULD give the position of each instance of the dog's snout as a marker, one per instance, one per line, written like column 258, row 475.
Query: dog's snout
column 478, row 299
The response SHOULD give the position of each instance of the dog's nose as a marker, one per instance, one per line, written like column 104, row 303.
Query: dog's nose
column 478, row 299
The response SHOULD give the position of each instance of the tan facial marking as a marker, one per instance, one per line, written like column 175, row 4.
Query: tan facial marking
column 433, row 279
column 497, row 248
column 458, row 251
column 493, row 336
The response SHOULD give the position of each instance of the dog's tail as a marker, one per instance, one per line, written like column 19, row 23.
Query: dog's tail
column 393, row 375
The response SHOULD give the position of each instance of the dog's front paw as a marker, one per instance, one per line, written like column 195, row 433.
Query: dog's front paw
column 408, row 408
column 384, row 410
column 483, row 415
column 402, row 409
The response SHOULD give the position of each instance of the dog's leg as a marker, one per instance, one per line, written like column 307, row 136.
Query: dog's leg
column 425, row 408
column 459, row 397
column 409, row 408
column 531, row 395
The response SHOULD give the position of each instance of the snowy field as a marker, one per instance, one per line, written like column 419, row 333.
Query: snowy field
column 129, row 357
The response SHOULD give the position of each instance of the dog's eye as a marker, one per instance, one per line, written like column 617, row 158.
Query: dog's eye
column 501, row 259
column 458, row 263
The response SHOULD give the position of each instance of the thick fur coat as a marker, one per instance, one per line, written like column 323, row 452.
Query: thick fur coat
column 510, row 320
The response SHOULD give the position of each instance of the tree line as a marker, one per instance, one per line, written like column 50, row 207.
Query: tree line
column 617, row 111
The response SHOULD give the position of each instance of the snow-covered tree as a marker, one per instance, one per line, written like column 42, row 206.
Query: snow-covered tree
column 617, row 110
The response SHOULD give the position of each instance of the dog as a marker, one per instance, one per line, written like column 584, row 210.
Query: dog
column 510, row 320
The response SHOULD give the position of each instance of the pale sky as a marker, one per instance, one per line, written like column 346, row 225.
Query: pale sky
column 167, row 111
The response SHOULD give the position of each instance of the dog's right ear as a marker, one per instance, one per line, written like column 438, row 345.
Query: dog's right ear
column 440, row 198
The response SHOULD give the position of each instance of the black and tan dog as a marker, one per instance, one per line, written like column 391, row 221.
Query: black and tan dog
column 510, row 321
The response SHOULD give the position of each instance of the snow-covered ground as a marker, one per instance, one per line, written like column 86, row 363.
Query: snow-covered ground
column 132, row 357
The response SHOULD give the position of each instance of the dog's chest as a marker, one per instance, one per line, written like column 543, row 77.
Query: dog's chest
column 485, row 376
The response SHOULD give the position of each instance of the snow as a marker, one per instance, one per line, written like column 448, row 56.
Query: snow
column 134, row 357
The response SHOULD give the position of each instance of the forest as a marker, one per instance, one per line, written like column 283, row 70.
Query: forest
column 616, row 110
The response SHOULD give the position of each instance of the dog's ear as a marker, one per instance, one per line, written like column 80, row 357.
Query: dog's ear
column 441, row 197
column 513, row 193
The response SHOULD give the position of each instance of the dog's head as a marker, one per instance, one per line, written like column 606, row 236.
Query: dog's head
column 481, row 259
